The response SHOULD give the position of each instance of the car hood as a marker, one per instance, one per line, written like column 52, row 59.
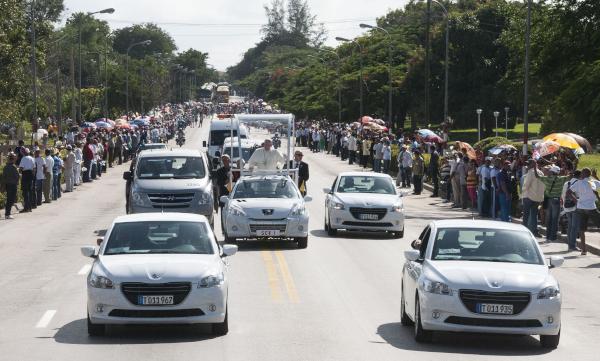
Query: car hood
column 170, row 185
column 367, row 200
column 267, row 208
column 489, row 276
column 159, row 267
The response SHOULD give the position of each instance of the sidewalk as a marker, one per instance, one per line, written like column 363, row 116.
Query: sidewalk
column 592, row 238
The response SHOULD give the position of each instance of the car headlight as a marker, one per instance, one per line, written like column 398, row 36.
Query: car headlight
column 204, row 198
column 438, row 288
column 398, row 207
column 139, row 199
column 97, row 281
column 212, row 281
column 237, row 211
column 548, row 293
column 298, row 210
column 337, row 205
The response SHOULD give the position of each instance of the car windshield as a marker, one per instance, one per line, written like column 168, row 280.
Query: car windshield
column 152, row 146
column 485, row 244
column 246, row 152
column 266, row 188
column 170, row 167
column 217, row 137
column 362, row 184
column 159, row 237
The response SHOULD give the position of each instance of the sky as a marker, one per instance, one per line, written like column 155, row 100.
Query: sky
column 225, row 29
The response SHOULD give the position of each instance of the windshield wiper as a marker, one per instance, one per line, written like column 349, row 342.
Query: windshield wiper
column 186, row 176
column 489, row 260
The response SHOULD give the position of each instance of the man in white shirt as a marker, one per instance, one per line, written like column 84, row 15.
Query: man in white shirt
column 585, row 191
column 351, row 148
column 454, row 181
column 377, row 156
column 405, row 160
column 266, row 158
column 27, row 167
column 533, row 196
column 77, row 166
column 48, row 176
column 485, row 187
column 40, row 174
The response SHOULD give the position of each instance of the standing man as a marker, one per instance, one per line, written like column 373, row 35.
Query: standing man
column 352, row 148
column 569, row 201
column 504, row 191
column 406, row 163
column 88, row 158
column 366, row 151
column 377, row 155
column 585, row 191
column 48, row 179
column 553, row 185
column 77, row 166
column 56, row 173
column 69, row 164
column 454, row 181
column 40, row 172
column 27, row 167
column 533, row 196
column 418, row 169
column 485, row 188
column 10, row 180
column 266, row 158
column 303, row 173
column 434, row 163
column 222, row 178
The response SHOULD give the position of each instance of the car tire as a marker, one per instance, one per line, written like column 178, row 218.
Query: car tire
column 421, row 335
column 221, row 328
column 404, row 319
column 550, row 341
column 302, row 242
column 398, row 234
column 330, row 230
column 325, row 225
column 95, row 330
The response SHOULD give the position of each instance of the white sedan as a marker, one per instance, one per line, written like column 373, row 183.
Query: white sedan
column 481, row 277
column 265, row 207
column 158, row 268
column 364, row 201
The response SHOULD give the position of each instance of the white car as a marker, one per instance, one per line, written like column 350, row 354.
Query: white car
column 158, row 268
column 481, row 277
column 265, row 207
column 364, row 201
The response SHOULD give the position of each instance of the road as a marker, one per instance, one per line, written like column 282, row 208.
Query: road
column 339, row 299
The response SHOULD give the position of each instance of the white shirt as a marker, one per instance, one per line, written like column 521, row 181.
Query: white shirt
column 266, row 160
column 407, row 159
column 49, row 164
column 39, row 168
column 27, row 163
column 351, row 143
column 584, row 189
column 78, row 155
column 377, row 149
column 564, row 194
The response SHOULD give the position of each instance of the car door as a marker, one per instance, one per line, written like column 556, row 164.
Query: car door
column 412, row 272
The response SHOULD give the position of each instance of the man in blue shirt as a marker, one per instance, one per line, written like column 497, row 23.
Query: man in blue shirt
column 504, row 191
column 56, row 173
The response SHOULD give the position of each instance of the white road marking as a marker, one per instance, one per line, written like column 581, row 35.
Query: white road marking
column 46, row 318
column 84, row 270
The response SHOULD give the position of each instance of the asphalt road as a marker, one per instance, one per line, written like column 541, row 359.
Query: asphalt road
column 339, row 299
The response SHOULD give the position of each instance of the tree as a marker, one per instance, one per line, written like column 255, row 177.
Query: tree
column 162, row 42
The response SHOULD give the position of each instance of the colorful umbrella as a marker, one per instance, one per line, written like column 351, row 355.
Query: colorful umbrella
column 124, row 126
column 470, row 151
column 501, row 148
column 563, row 140
column 379, row 121
column 583, row 143
column 104, row 125
column 426, row 133
column 547, row 147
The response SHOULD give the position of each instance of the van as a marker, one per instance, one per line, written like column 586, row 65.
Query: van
column 219, row 130
column 231, row 147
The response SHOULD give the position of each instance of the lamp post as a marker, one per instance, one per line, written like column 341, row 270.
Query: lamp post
column 390, row 48
column 506, row 109
column 526, row 81
column 337, row 75
column 361, row 70
column 479, row 111
column 446, row 57
column 145, row 42
column 105, row 11
column 496, row 114
column 34, row 66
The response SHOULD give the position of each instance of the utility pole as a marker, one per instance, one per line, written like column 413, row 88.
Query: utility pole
column 142, row 88
column 526, row 85
column 34, row 66
column 427, row 61
column 72, row 70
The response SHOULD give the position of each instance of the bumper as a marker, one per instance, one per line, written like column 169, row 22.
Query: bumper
column 343, row 219
column 295, row 227
column 450, row 309
column 205, row 210
column 205, row 299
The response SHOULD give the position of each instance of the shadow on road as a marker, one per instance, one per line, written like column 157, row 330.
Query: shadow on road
column 75, row 332
column 476, row 344
column 351, row 235
column 256, row 246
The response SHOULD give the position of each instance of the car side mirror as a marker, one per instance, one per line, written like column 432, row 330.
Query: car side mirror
column 89, row 251
column 229, row 250
column 556, row 261
column 326, row 190
column 99, row 241
column 412, row 255
column 416, row 244
column 127, row 175
column 224, row 199
column 204, row 143
column 307, row 198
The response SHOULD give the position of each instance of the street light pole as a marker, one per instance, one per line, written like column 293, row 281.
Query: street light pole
column 526, row 82
column 496, row 114
column 506, row 109
column 446, row 58
column 145, row 42
column 34, row 66
column 360, row 47
column 479, row 111
column 337, row 74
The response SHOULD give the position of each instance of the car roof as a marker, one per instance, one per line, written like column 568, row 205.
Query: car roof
column 167, row 216
column 170, row 152
column 268, row 176
column 477, row 223
column 363, row 174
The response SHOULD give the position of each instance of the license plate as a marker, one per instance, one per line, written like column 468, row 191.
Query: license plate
column 155, row 300
column 267, row 233
column 495, row 308
column 369, row 217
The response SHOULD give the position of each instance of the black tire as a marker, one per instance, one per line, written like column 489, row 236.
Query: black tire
column 404, row 319
column 302, row 242
column 550, row 341
column 95, row 330
column 398, row 234
column 325, row 225
column 221, row 329
column 421, row 335
column 330, row 230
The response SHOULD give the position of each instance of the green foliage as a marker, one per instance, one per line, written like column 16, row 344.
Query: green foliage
column 161, row 41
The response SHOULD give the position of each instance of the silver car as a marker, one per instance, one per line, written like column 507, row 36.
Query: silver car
column 174, row 180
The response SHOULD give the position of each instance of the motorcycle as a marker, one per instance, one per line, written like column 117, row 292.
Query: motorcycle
column 276, row 142
column 180, row 141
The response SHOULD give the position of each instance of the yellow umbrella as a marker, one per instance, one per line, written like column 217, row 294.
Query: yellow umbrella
column 563, row 140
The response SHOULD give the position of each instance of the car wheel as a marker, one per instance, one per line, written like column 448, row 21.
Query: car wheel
column 95, row 329
column 325, row 225
column 302, row 242
column 550, row 341
column 398, row 234
column 421, row 335
column 330, row 230
column 404, row 319
column 221, row 329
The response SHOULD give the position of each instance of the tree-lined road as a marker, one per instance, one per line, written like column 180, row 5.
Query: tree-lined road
column 339, row 299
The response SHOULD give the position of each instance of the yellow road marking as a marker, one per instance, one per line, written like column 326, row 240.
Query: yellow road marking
column 287, row 277
column 272, row 276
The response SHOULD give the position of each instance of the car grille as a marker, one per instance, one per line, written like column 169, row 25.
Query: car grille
column 171, row 200
column 471, row 298
column 156, row 313
column 268, row 227
column 357, row 211
column 492, row 322
column 367, row 224
column 179, row 290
